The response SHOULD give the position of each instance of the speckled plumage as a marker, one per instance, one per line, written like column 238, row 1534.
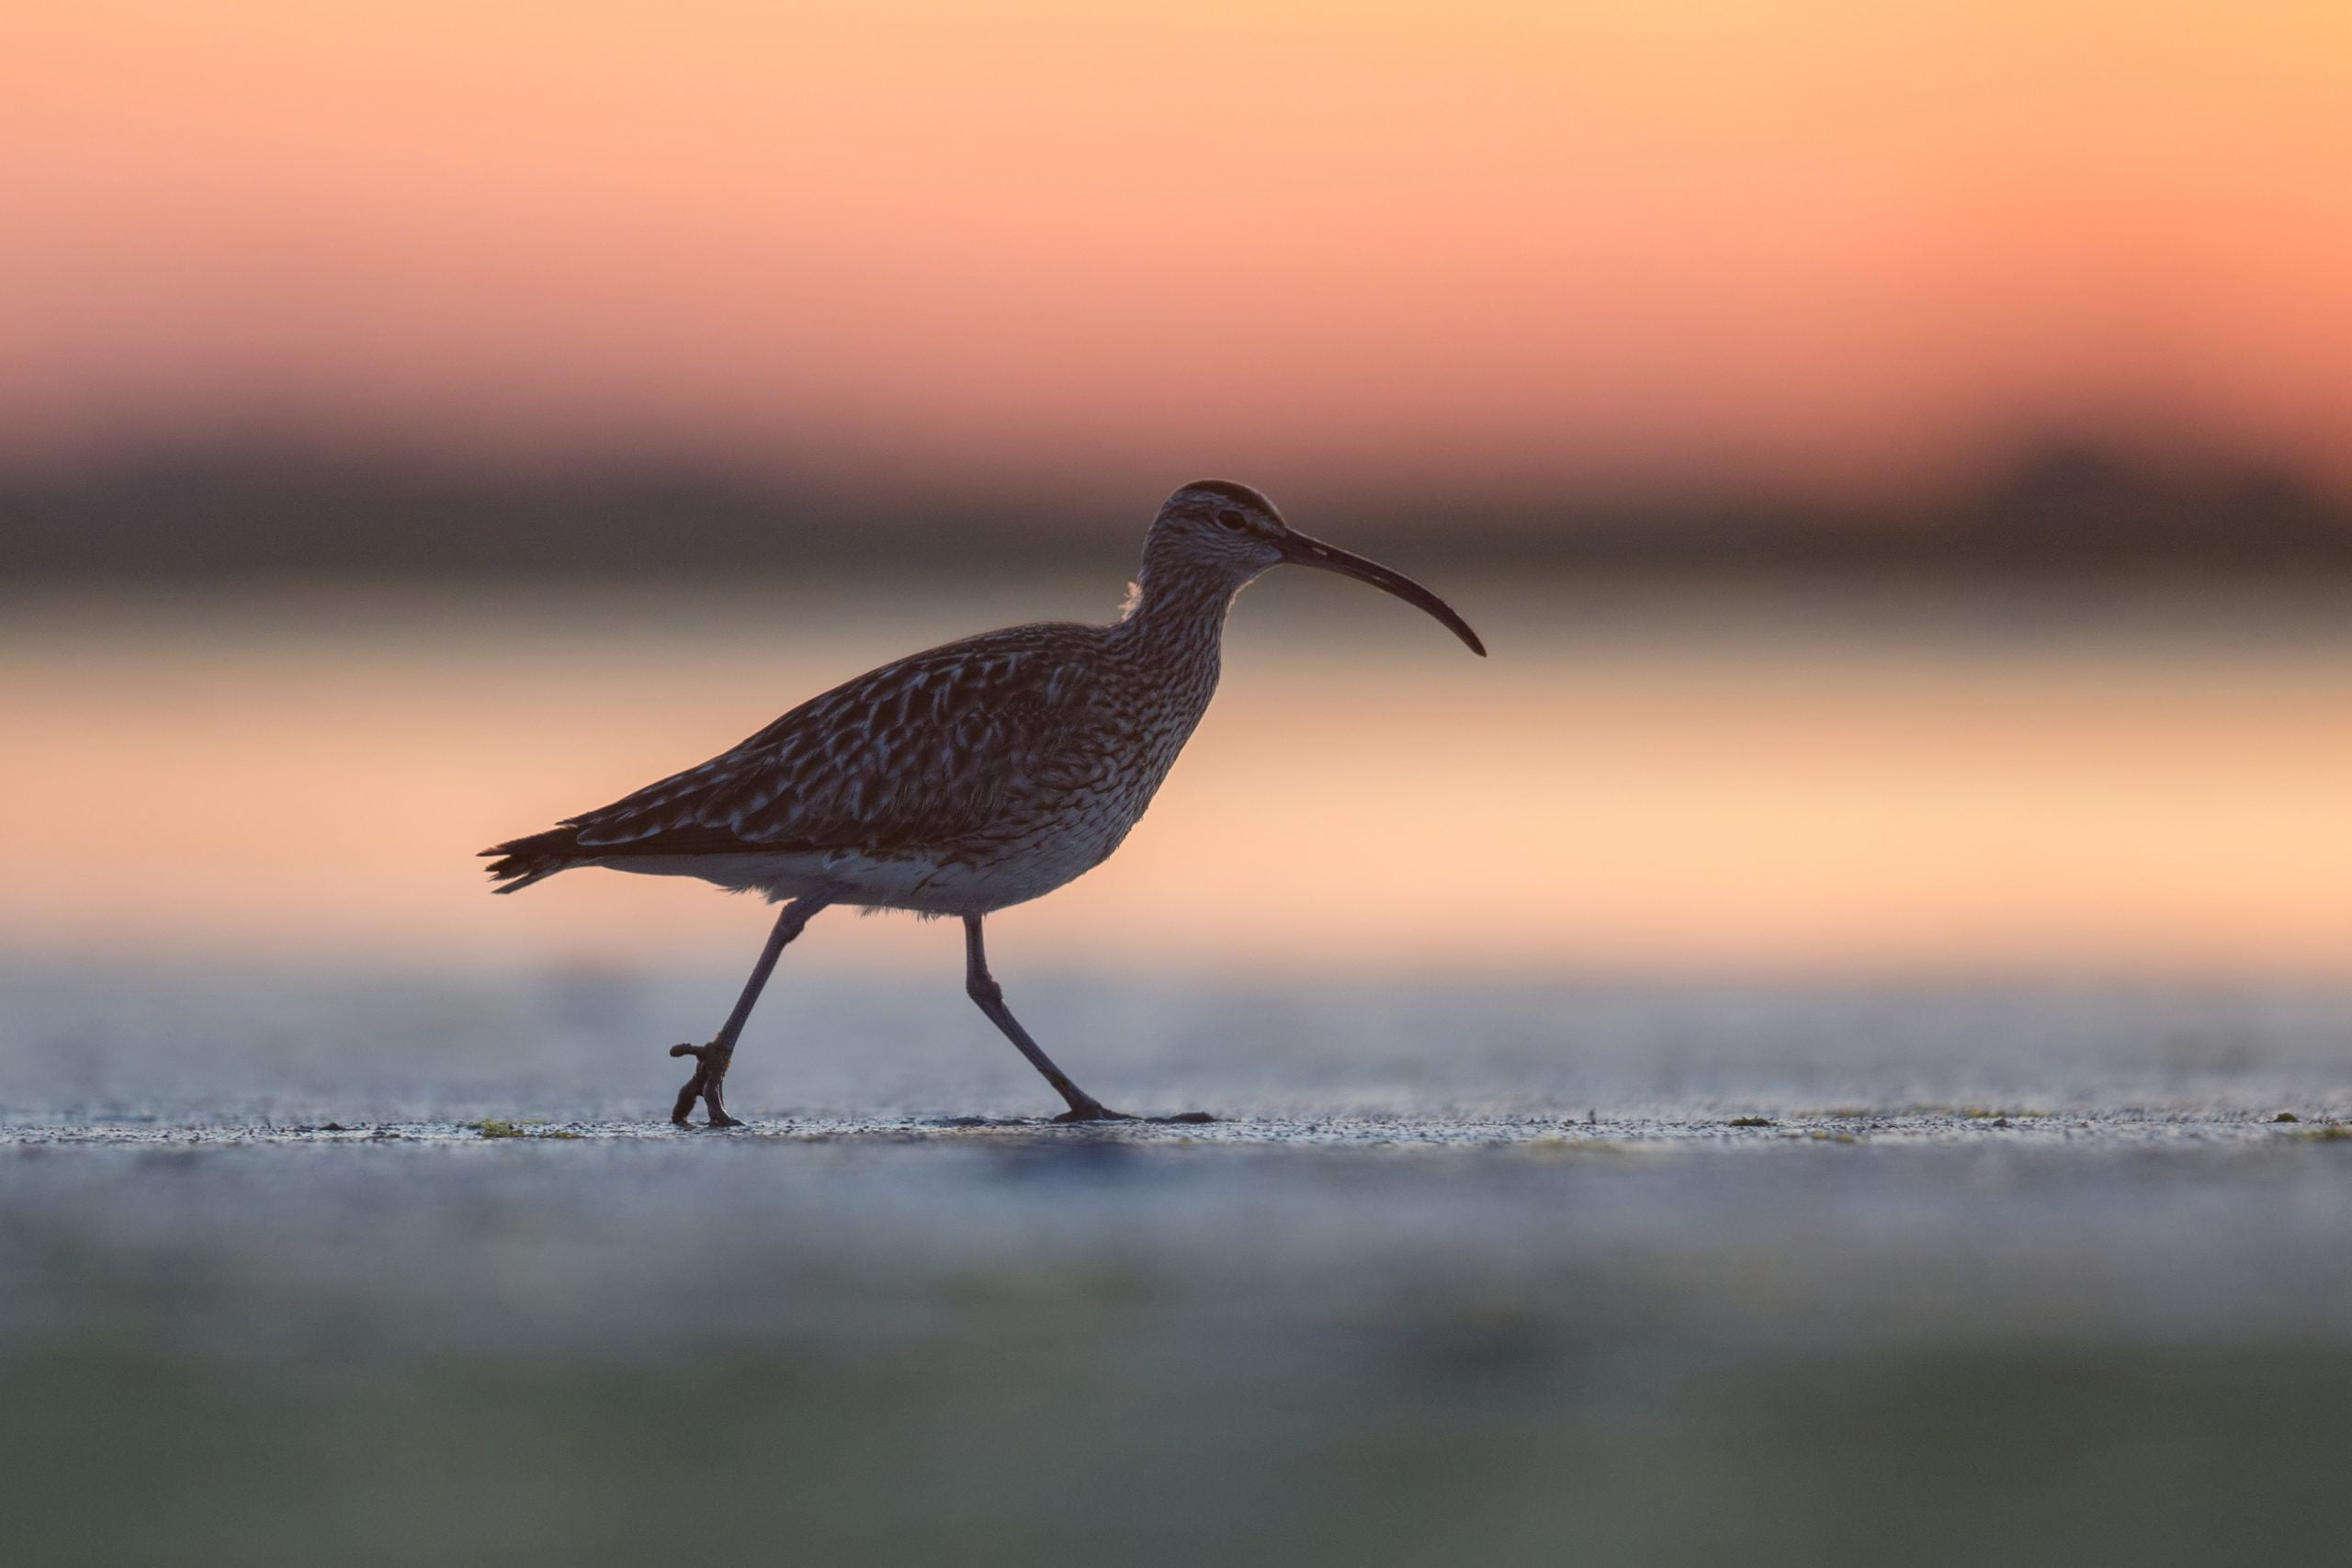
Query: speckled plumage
column 973, row 776
column 958, row 781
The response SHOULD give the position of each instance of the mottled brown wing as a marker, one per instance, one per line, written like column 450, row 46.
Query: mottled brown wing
column 926, row 749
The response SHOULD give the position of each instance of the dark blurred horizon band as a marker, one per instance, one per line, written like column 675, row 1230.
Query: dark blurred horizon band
column 2059, row 508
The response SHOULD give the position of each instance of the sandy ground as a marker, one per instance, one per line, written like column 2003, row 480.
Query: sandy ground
column 398, row 1268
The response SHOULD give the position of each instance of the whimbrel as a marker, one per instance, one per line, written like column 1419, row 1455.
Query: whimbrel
column 961, row 780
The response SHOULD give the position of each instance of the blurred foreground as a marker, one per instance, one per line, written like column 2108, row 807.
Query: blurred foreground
column 2020, row 1273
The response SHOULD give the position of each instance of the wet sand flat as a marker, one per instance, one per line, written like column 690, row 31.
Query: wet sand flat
column 403, row 1267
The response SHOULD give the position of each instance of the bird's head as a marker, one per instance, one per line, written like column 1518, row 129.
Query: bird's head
column 1229, row 533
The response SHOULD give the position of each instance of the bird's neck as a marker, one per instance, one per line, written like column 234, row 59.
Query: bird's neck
column 1173, row 610
column 1177, row 607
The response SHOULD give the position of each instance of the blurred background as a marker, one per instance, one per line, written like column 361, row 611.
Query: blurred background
column 1897, row 454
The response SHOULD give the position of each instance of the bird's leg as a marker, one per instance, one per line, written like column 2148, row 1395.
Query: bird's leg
column 709, row 1082
column 981, row 987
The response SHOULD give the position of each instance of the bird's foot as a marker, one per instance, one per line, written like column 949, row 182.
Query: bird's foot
column 1093, row 1110
column 707, row 1085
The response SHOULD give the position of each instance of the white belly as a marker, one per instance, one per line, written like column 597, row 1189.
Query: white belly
column 925, row 885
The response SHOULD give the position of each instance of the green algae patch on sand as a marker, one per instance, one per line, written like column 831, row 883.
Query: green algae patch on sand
column 1554, row 1145
column 496, row 1127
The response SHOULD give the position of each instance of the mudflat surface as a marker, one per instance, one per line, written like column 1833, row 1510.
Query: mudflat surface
column 405, row 1267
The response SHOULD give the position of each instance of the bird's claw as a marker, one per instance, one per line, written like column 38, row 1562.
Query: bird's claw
column 710, row 1077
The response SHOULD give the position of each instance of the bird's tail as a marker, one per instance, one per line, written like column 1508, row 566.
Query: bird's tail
column 534, row 858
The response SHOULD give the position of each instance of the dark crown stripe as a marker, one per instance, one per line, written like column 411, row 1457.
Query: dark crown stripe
column 1231, row 492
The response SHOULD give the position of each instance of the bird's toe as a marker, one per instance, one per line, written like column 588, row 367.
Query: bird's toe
column 1091, row 1111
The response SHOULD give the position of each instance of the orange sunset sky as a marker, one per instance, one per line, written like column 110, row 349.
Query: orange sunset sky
column 1827, row 247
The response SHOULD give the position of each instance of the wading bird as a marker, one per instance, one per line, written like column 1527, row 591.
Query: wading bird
column 959, row 782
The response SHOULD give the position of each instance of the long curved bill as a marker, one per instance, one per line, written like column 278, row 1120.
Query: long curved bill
column 1303, row 551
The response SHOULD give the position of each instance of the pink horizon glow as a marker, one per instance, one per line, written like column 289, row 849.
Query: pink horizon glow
column 1822, row 248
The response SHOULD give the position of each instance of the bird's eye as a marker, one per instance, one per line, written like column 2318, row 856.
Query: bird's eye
column 1229, row 518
